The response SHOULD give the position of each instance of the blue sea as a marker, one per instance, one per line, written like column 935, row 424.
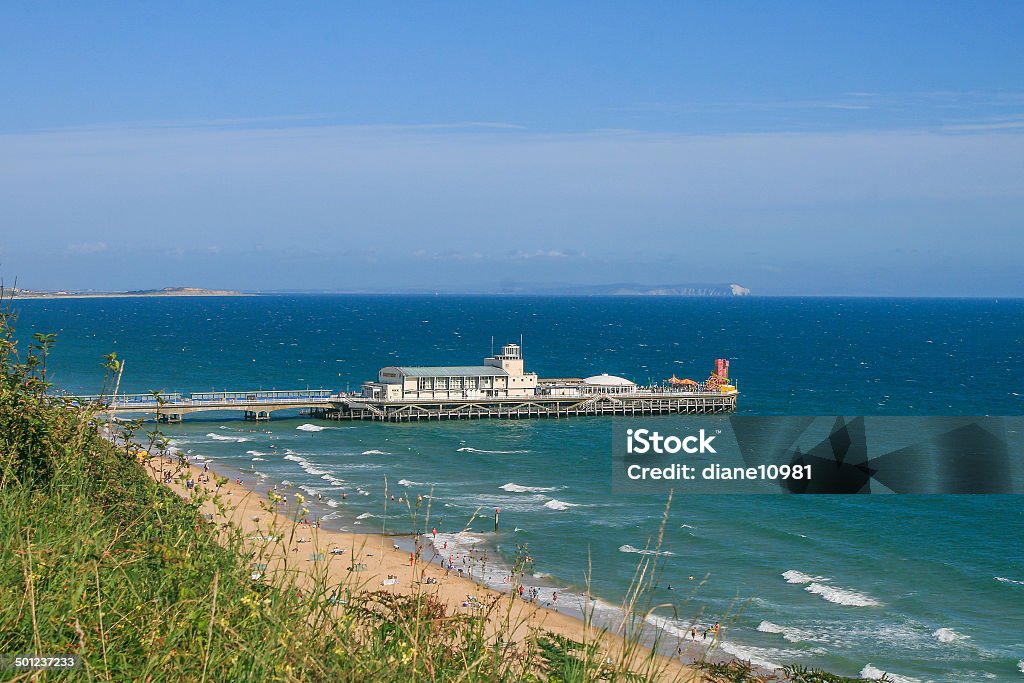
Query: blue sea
column 928, row 588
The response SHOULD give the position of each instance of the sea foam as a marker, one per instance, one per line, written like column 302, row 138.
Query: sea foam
column 793, row 576
column 632, row 549
column 467, row 449
column 874, row 672
column 219, row 437
column 310, row 428
column 948, row 635
column 517, row 488
column 554, row 504
column 373, row 451
column 793, row 635
column 841, row 596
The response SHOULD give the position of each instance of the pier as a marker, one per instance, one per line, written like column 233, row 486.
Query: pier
column 324, row 404
column 500, row 388
column 254, row 405
column 639, row 403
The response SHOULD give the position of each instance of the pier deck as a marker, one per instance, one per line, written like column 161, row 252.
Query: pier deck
column 531, row 407
column 322, row 403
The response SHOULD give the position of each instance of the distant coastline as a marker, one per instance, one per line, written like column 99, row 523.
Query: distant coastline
column 618, row 289
column 166, row 291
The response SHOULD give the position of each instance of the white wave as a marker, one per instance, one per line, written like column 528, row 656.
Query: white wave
column 948, row 635
column 793, row 576
column 554, row 504
column 1003, row 579
column 406, row 483
column 666, row 625
column 365, row 515
column 334, row 480
column 294, row 457
column 257, row 459
column 686, row 526
column 331, row 503
column 361, row 492
column 286, row 483
column 454, row 544
column 841, row 596
column 1020, row 665
column 218, row 437
column 373, row 451
column 467, row 449
column 793, row 635
column 308, row 489
column 631, row 549
column 310, row 428
column 199, row 457
column 331, row 515
column 517, row 488
column 870, row 671
column 758, row 656
column 256, row 453
column 541, row 575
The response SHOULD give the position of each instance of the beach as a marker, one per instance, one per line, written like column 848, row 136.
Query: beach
column 347, row 563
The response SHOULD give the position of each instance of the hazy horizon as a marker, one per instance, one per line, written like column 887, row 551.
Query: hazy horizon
column 819, row 150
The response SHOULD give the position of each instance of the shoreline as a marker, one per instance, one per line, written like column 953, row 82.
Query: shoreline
column 396, row 563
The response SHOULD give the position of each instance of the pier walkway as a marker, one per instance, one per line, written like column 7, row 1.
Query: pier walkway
column 255, row 405
column 323, row 403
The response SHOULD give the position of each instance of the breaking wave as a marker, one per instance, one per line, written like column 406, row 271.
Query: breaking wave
column 874, row 672
column 219, row 437
column 948, row 635
column 373, row 451
column 1003, row 579
column 632, row 549
column 793, row 576
column 467, row 449
column 517, row 488
column 793, row 635
column 841, row 596
column 554, row 504
column 310, row 428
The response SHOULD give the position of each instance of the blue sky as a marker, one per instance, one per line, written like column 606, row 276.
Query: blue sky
column 796, row 148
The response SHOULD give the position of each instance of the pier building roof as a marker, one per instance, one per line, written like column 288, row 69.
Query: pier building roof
column 452, row 371
column 606, row 380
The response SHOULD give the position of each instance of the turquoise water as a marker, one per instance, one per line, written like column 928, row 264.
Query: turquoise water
column 928, row 588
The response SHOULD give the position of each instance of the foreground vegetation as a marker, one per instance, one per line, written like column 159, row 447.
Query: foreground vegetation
column 100, row 561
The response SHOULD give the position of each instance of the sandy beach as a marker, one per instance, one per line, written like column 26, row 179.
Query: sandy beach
column 349, row 563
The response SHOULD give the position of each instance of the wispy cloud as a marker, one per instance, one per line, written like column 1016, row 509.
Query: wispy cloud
column 87, row 248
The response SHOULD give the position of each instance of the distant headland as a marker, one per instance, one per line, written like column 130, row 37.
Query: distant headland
column 74, row 294
column 500, row 289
